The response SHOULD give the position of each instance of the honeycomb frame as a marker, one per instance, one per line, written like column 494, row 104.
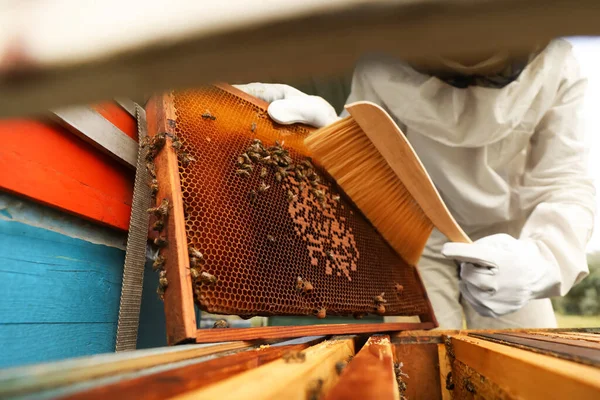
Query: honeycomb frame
column 339, row 263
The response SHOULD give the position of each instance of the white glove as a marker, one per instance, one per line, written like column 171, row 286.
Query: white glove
column 500, row 274
column 290, row 106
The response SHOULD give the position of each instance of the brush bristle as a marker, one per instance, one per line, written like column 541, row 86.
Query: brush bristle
column 348, row 155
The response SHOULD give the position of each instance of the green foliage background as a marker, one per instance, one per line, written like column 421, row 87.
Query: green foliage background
column 584, row 298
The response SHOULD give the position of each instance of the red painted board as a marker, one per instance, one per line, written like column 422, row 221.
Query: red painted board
column 118, row 117
column 45, row 162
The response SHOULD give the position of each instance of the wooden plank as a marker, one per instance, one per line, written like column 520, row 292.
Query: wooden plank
column 30, row 343
column 284, row 380
column 445, row 370
column 557, row 338
column 164, row 384
column 237, row 42
column 554, row 347
column 421, row 365
column 578, row 336
column 179, row 299
column 274, row 332
column 24, row 380
column 370, row 375
column 526, row 374
column 46, row 163
column 468, row 384
column 44, row 271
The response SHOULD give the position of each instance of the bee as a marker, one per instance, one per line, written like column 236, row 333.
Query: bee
column 294, row 357
column 207, row 278
column 358, row 315
column 271, row 238
column 195, row 253
column 158, row 263
column 402, row 386
column 336, row 198
column 449, row 381
column 158, row 141
column 194, row 273
column 380, row 309
column 154, row 187
column 263, row 187
column 242, row 172
column 221, row 323
column 306, row 162
column 194, row 262
column 263, row 172
column 257, row 141
column 253, row 127
column 158, row 225
column 151, row 168
column 330, row 255
column 468, row 385
column 146, row 142
column 399, row 288
column 290, row 196
column 247, row 159
column 161, row 241
column 177, row 145
column 321, row 313
column 160, row 291
column 304, row 285
column 339, row 366
column 240, row 160
column 299, row 174
column 278, row 176
column 379, row 299
column 254, row 156
column 314, row 184
column 185, row 158
column 301, row 187
column 247, row 167
column 162, row 279
column 162, row 210
column 252, row 196
column 315, row 389
column 265, row 160
column 208, row 115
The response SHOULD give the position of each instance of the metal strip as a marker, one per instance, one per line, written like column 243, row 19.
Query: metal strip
column 135, row 255
column 560, row 350
column 126, row 105
column 100, row 133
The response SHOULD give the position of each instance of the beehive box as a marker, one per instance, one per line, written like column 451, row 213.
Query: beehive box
column 508, row 364
column 251, row 225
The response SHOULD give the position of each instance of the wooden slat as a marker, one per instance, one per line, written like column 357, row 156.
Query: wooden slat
column 370, row 375
column 274, row 332
column 553, row 347
column 445, row 369
column 38, row 377
column 527, row 374
column 164, row 384
column 45, row 162
column 179, row 301
column 578, row 336
column 284, row 380
column 420, row 362
column 557, row 338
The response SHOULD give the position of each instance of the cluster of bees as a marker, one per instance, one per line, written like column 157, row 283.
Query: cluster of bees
column 154, row 145
column 277, row 159
column 400, row 376
column 380, row 304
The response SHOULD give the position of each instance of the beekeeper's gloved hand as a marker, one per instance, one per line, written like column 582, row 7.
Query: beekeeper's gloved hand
column 288, row 105
column 500, row 274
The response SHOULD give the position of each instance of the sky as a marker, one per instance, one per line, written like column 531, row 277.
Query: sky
column 587, row 51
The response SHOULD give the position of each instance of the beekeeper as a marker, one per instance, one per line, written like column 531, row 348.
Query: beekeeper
column 502, row 139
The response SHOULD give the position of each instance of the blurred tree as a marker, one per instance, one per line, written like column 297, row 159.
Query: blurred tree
column 583, row 299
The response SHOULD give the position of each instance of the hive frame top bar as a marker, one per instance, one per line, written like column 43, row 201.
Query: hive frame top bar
column 179, row 303
column 158, row 48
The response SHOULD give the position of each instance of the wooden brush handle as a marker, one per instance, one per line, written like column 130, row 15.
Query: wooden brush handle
column 401, row 157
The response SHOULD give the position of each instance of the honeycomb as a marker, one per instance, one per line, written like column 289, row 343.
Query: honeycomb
column 283, row 240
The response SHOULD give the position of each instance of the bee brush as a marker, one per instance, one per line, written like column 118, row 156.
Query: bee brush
column 373, row 162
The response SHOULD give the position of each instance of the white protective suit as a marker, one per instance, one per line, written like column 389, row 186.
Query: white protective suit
column 510, row 164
